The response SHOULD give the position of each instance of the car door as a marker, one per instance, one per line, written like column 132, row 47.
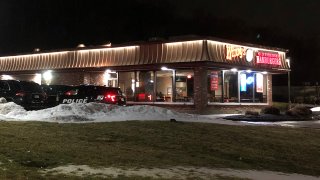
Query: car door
column 5, row 90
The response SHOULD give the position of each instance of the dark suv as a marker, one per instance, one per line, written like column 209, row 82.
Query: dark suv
column 90, row 93
column 27, row 94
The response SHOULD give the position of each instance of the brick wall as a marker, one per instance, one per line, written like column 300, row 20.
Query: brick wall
column 97, row 78
column 200, row 88
column 74, row 78
column 24, row 77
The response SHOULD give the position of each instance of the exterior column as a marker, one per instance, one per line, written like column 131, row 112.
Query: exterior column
column 269, row 89
column 222, row 86
column 289, row 90
column 200, row 88
column 174, row 91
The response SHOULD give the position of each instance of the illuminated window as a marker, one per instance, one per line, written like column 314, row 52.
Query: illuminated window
column 127, row 84
column 184, row 85
column 144, row 86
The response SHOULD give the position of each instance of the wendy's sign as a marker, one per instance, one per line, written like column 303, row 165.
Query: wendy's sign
column 233, row 52
column 258, row 57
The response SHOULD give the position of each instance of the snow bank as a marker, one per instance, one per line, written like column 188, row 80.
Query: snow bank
column 96, row 112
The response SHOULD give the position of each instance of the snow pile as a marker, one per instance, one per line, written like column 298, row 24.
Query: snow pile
column 3, row 100
column 89, row 112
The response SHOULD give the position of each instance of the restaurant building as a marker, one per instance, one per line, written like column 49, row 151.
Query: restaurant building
column 193, row 72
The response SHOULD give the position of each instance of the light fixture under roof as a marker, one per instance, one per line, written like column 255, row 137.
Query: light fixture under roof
column 234, row 69
column 163, row 68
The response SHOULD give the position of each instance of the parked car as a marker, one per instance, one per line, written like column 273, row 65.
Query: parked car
column 27, row 94
column 53, row 92
column 90, row 93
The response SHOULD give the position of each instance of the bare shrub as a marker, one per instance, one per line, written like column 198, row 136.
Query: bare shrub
column 251, row 113
column 270, row 110
column 300, row 111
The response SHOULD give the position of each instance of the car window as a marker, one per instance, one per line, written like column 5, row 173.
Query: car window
column 28, row 86
column 14, row 85
column 4, row 85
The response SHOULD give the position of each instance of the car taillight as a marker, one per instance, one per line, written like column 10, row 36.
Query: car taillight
column 20, row 93
column 111, row 97
column 68, row 93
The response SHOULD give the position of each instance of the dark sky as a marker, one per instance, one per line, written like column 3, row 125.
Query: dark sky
column 45, row 24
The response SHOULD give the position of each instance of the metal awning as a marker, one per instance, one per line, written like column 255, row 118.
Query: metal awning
column 143, row 54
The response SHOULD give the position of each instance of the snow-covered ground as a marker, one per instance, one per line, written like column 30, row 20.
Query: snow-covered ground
column 98, row 112
column 177, row 172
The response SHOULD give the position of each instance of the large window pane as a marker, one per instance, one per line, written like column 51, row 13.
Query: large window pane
column 127, row 83
column 214, row 86
column 144, row 86
column 184, row 85
column 164, row 86
column 261, row 88
column 247, row 83
column 230, row 86
column 253, row 87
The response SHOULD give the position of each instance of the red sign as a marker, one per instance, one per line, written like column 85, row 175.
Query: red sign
column 268, row 58
column 214, row 80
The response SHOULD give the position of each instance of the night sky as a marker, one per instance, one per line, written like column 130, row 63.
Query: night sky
column 48, row 25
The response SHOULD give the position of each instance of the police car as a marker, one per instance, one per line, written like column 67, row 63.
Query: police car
column 90, row 93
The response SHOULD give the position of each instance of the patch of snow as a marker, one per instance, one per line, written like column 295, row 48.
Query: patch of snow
column 315, row 109
column 99, row 112
column 176, row 172
column 3, row 100
column 90, row 112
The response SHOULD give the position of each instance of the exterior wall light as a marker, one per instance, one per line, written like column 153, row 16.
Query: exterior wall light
column 234, row 70
column 288, row 62
column 37, row 78
column 47, row 76
column 163, row 68
column 6, row 77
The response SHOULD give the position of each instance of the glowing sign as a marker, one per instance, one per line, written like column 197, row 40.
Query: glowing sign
column 249, row 55
column 268, row 58
column 214, row 80
column 235, row 51
column 259, row 84
column 243, row 82
column 239, row 52
column 250, row 80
